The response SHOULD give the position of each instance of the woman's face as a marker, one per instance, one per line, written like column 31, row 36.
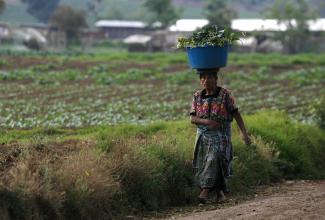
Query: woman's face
column 208, row 81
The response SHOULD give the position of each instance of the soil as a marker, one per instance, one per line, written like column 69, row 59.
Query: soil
column 19, row 62
column 289, row 200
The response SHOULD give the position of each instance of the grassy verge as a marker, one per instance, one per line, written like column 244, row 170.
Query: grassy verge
column 112, row 171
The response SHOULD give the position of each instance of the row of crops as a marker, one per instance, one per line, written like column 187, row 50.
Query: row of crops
column 83, row 90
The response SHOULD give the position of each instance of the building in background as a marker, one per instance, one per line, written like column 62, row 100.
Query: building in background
column 4, row 33
column 119, row 30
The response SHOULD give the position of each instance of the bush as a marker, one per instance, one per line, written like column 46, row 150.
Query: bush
column 113, row 171
column 110, row 44
column 320, row 112
column 33, row 44
column 297, row 144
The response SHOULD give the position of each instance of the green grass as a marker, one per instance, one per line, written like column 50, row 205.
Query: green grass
column 126, row 169
column 175, row 57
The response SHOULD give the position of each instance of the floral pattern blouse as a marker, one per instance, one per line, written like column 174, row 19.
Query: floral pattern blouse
column 219, row 106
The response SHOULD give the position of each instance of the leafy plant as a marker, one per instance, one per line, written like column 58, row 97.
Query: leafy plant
column 320, row 112
column 210, row 35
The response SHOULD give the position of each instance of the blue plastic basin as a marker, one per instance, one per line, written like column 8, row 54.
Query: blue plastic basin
column 208, row 57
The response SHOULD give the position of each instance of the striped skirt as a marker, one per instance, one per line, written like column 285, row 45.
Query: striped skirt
column 210, row 163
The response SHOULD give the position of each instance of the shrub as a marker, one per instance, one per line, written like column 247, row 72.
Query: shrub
column 320, row 112
column 33, row 44
column 119, row 170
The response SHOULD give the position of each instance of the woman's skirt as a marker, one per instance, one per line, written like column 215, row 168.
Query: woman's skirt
column 210, row 162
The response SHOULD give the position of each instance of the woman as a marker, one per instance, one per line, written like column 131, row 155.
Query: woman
column 213, row 110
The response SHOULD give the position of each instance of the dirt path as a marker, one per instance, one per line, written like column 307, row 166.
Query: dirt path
column 292, row 200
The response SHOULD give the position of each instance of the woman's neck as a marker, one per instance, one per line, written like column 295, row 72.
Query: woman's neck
column 210, row 91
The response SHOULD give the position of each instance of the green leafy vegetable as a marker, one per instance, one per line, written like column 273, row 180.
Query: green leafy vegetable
column 210, row 35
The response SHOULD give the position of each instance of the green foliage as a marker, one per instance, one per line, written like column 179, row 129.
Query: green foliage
column 72, row 89
column 3, row 63
column 110, row 44
column 293, row 142
column 2, row 5
column 210, row 35
column 93, row 7
column 115, row 171
column 218, row 13
column 162, row 11
column 33, row 44
column 304, row 77
column 182, row 77
column 319, row 109
column 253, row 165
column 69, row 20
column 42, row 10
column 11, row 205
column 294, row 14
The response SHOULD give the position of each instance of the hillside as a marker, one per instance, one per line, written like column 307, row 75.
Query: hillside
column 15, row 11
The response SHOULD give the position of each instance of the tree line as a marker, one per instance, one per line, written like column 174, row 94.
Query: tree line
column 218, row 12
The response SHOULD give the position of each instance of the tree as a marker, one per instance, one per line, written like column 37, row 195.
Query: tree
column 2, row 5
column 162, row 11
column 115, row 13
column 69, row 20
column 93, row 7
column 294, row 14
column 218, row 13
column 41, row 10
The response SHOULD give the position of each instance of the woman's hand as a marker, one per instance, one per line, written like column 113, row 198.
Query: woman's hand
column 213, row 125
column 247, row 139
column 242, row 127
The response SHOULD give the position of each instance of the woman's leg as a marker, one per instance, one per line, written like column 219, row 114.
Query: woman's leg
column 220, row 196
column 203, row 197
column 204, row 193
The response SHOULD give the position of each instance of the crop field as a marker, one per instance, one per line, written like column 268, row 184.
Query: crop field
column 104, row 136
column 77, row 90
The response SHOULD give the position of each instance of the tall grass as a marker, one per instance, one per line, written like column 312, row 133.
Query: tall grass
column 106, row 172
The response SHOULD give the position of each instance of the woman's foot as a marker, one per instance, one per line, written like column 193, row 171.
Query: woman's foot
column 203, row 197
column 221, row 197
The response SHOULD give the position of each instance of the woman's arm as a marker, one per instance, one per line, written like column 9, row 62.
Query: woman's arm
column 201, row 121
column 242, row 127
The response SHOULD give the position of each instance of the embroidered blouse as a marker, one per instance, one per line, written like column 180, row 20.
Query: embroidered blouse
column 219, row 106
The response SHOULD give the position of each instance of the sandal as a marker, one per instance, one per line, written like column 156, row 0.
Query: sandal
column 202, row 199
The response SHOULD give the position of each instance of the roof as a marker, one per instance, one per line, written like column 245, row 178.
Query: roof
column 137, row 39
column 28, row 34
column 272, row 25
column 318, row 25
column 34, row 25
column 189, row 25
column 257, row 25
column 117, row 23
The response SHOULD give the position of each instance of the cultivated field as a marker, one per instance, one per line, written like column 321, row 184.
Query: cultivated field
column 101, row 136
column 83, row 90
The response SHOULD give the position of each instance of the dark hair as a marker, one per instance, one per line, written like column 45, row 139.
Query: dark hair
column 203, row 72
